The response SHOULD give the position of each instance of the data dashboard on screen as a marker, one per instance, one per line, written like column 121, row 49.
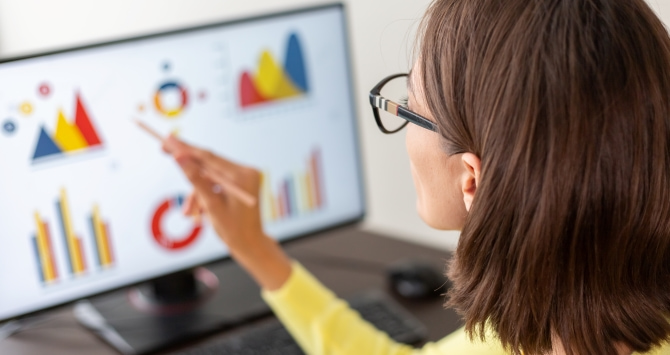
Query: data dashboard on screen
column 90, row 203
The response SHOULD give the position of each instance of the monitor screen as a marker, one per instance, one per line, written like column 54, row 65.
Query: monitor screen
column 90, row 203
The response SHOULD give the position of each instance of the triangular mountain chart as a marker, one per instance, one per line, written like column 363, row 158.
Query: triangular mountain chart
column 272, row 81
column 68, row 137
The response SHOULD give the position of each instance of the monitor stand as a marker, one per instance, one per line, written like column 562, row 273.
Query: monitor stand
column 173, row 309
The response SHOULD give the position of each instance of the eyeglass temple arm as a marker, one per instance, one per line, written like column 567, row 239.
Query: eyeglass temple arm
column 384, row 104
column 397, row 110
column 416, row 119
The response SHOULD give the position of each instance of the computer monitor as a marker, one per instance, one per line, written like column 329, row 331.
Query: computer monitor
column 89, row 202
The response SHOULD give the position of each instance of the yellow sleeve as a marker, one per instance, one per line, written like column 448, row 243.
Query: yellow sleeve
column 324, row 325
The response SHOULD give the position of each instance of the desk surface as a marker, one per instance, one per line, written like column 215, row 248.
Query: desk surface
column 348, row 261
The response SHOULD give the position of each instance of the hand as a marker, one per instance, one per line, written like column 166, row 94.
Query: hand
column 237, row 223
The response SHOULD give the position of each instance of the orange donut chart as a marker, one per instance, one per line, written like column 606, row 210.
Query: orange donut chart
column 163, row 239
column 158, row 100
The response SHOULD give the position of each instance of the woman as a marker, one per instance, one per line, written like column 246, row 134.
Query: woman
column 550, row 152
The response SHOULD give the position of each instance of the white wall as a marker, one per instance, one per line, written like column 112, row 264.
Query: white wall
column 381, row 39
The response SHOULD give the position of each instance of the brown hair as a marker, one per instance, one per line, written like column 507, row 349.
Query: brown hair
column 567, row 103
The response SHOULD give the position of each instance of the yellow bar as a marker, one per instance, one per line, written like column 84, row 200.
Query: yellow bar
column 44, row 250
column 310, row 191
column 271, row 200
column 108, row 246
column 80, row 254
column 266, row 198
column 69, row 233
column 263, row 206
column 103, row 253
column 304, row 192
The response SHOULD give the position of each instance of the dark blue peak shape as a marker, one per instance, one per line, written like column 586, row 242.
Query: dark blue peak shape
column 295, row 63
column 45, row 146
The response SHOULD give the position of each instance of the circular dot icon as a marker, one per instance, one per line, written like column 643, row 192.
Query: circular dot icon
column 26, row 108
column 9, row 127
column 44, row 90
column 176, row 108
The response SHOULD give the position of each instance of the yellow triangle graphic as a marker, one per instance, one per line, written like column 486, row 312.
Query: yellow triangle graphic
column 271, row 80
column 68, row 136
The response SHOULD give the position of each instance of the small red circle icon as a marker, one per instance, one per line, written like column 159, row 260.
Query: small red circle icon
column 164, row 239
column 45, row 89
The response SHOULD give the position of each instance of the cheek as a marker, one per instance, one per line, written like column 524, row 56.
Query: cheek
column 436, row 179
column 414, row 150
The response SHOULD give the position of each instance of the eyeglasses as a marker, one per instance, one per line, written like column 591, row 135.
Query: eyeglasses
column 395, row 116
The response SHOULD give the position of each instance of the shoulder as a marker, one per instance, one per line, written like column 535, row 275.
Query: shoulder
column 458, row 343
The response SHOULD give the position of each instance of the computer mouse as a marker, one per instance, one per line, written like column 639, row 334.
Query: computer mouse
column 417, row 279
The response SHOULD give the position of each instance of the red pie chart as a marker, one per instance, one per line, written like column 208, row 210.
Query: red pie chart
column 162, row 236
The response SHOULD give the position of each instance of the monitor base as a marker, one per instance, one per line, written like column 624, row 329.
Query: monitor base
column 150, row 317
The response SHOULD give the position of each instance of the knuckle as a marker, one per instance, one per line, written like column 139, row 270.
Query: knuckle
column 208, row 155
column 248, row 174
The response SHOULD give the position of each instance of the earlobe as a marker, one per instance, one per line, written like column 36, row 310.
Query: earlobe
column 472, row 171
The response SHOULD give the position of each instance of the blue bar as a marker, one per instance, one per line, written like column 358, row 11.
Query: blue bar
column 290, row 188
column 287, row 199
column 40, row 267
column 95, row 242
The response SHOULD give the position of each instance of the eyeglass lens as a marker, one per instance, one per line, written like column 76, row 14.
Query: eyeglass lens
column 396, row 91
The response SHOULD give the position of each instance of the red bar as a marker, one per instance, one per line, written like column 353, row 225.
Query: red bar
column 282, row 203
column 315, row 165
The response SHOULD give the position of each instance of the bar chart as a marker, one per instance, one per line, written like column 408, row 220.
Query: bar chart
column 73, row 254
column 297, row 194
column 103, row 247
column 43, row 247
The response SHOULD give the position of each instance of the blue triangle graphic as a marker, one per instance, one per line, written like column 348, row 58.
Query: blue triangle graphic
column 45, row 146
column 295, row 63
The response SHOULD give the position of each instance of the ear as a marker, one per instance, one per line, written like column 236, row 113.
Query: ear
column 473, row 168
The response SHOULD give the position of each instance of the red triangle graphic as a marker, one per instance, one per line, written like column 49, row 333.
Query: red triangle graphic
column 249, row 95
column 83, row 122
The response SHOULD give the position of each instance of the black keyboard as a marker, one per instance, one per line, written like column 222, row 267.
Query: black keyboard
column 272, row 338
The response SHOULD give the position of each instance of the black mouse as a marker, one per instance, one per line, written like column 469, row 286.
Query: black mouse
column 417, row 279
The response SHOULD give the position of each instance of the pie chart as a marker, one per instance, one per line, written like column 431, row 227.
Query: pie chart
column 170, row 228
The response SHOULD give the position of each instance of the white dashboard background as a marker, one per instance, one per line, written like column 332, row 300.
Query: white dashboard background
column 382, row 39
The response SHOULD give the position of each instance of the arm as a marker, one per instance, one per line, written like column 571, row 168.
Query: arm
column 323, row 324
column 320, row 322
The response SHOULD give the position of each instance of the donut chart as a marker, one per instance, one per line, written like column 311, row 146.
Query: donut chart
column 171, row 112
column 167, row 241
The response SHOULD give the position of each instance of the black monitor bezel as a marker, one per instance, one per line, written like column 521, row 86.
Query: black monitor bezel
column 344, row 223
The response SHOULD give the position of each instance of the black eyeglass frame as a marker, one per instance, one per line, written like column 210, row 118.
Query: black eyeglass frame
column 379, row 102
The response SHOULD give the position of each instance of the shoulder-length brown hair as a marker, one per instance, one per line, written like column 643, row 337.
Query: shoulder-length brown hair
column 567, row 103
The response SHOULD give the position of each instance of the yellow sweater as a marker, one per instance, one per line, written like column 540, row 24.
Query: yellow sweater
column 324, row 325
